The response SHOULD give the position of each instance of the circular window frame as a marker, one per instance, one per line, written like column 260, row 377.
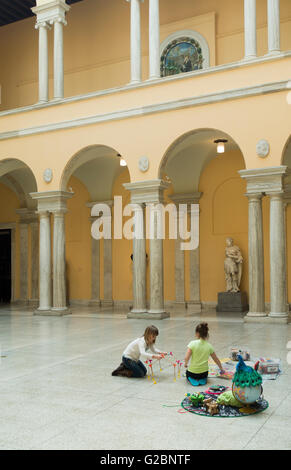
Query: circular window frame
column 185, row 35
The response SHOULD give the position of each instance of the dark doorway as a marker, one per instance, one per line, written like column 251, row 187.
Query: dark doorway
column 5, row 266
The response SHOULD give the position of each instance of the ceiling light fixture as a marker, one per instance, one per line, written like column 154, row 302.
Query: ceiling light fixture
column 220, row 145
column 122, row 161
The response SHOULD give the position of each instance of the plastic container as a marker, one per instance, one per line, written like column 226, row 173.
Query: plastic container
column 269, row 366
column 243, row 352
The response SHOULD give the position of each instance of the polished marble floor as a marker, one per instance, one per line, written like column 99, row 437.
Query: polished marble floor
column 57, row 391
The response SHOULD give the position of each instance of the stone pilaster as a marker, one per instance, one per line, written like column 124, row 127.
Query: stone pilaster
column 34, row 247
column 23, row 229
column 135, row 41
column 194, row 303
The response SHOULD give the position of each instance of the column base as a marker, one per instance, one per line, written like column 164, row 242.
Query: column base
column 249, row 58
column 194, row 306
column 267, row 320
column 278, row 315
column 273, row 53
column 94, row 303
column 256, row 314
column 150, row 315
column 106, row 303
column 53, row 312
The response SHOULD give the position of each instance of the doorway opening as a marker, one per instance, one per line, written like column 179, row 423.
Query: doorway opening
column 5, row 266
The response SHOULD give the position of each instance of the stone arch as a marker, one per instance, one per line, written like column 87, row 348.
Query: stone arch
column 286, row 154
column 19, row 177
column 101, row 159
column 199, row 142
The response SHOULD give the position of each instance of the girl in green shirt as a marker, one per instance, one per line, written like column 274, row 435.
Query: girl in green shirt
column 198, row 353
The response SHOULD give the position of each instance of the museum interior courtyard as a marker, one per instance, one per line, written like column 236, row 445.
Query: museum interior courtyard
column 57, row 391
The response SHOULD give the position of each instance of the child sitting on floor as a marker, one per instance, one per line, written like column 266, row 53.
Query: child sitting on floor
column 131, row 365
column 199, row 351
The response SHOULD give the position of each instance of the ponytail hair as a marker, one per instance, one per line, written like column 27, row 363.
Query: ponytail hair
column 203, row 330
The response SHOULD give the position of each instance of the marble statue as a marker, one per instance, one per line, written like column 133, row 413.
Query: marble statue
column 232, row 266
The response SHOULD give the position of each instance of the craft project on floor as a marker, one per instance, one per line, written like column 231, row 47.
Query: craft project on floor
column 245, row 398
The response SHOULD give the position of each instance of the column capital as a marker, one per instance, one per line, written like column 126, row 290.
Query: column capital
column 264, row 180
column 42, row 24
column 52, row 201
column 186, row 198
column 147, row 192
column 26, row 216
column 51, row 11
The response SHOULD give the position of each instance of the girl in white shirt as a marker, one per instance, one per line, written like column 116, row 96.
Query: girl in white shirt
column 131, row 365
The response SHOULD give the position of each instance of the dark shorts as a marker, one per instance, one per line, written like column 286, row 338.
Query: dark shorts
column 204, row 375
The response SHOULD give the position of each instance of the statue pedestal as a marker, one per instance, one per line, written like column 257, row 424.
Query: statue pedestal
column 232, row 302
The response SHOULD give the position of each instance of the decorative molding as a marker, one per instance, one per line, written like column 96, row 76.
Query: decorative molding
column 152, row 109
column 143, row 164
column 52, row 201
column 51, row 12
column 263, row 148
column 147, row 191
column 264, row 180
column 48, row 175
column 110, row 91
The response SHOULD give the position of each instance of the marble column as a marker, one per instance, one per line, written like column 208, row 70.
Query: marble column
column 107, row 300
column 23, row 228
column 59, row 263
column 154, row 40
column 256, row 257
column 34, row 240
column 156, row 263
column 278, row 281
column 194, row 303
column 274, row 26
column 135, row 41
column 58, row 58
column 43, row 72
column 250, row 29
column 139, row 261
column 95, row 272
column 45, row 280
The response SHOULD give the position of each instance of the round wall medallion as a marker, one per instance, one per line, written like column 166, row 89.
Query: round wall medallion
column 143, row 164
column 263, row 148
column 48, row 175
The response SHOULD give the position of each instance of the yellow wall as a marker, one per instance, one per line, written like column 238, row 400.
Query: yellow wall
column 78, row 243
column 121, row 249
column 97, row 43
column 224, row 213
